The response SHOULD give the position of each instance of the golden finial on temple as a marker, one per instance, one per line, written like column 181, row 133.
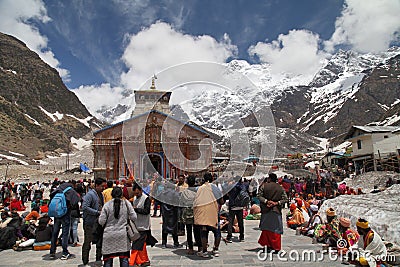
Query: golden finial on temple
column 153, row 82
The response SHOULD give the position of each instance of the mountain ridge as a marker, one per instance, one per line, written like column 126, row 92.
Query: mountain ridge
column 38, row 113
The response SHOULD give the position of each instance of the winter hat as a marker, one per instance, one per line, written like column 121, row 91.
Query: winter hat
column 292, row 207
column 330, row 212
column 345, row 222
column 363, row 224
column 314, row 207
column 299, row 202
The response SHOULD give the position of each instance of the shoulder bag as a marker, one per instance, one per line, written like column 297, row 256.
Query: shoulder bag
column 133, row 233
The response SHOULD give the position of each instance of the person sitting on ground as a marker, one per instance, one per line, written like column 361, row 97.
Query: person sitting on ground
column 33, row 215
column 292, row 208
column 44, row 229
column 342, row 188
column 370, row 246
column 45, row 207
column 17, row 204
column 329, row 233
column 36, row 203
column 224, row 221
column 349, row 235
column 5, row 219
column 8, row 235
column 314, row 221
column 375, row 190
column 255, row 209
column 301, row 203
column 389, row 182
column 297, row 219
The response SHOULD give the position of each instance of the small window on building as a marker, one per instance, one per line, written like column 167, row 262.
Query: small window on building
column 359, row 145
column 385, row 136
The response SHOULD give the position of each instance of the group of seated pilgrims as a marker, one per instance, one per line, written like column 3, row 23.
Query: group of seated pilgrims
column 29, row 230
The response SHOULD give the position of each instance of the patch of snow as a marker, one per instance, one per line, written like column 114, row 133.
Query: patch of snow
column 83, row 121
column 383, row 106
column 42, row 162
column 324, row 143
column 58, row 115
column 16, row 154
column 80, row 143
column 95, row 123
column 342, row 147
column 381, row 210
column 33, row 120
column 54, row 116
column 390, row 120
column 12, row 71
column 395, row 102
column 14, row 159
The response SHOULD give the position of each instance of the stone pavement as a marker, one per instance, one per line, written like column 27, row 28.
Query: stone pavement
column 233, row 254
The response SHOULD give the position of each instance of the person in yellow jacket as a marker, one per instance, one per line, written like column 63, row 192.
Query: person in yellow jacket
column 107, row 192
column 297, row 219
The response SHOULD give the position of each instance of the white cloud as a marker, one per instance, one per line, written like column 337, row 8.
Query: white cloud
column 367, row 25
column 99, row 98
column 296, row 53
column 160, row 46
column 15, row 16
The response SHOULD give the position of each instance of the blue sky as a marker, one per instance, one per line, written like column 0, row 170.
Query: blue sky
column 119, row 43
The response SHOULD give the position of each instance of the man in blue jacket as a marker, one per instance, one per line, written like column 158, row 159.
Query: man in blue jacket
column 92, row 204
column 64, row 222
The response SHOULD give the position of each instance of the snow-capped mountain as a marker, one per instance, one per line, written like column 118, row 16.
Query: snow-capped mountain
column 351, row 88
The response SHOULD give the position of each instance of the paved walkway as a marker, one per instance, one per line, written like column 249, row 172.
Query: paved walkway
column 233, row 254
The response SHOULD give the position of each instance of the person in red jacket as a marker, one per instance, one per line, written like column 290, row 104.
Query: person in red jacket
column 16, row 204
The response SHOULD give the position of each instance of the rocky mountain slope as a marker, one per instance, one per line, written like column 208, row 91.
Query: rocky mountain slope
column 37, row 112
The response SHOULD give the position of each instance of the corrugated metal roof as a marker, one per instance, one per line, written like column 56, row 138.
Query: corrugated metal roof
column 370, row 129
column 377, row 129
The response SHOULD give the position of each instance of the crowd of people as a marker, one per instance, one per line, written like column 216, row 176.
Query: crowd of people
column 190, row 205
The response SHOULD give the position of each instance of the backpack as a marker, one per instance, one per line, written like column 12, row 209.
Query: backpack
column 187, row 215
column 242, row 199
column 58, row 205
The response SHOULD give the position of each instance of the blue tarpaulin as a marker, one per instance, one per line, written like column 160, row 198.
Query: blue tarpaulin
column 251, row 159
column 84, row 168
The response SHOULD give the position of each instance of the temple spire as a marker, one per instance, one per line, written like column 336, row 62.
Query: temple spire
column 153, row 82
